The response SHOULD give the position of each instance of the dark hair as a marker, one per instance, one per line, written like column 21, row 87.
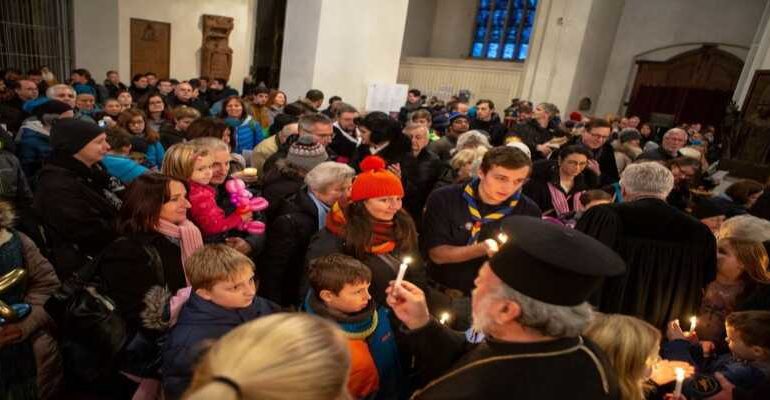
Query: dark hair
column 575, row 149
column 144, row 104
column 261, row 90
column 359, row 231
column 332, row 272
column 741, row 191
column 383, row 127
column 150, row 74
column 137, row 77
column 206, row 127
column 683, row 162
column 415, row 92
column 143, row 201
column 598, row 123
column 244, row 109
column 125, row 118
column 334, row 98
column 592, row 195
column 490, row 102
column 752, row 326
column 118, row 137
column 110, row 72
column 204, row 78
column 506, row 157
column 344, row 108
column 82, row 72
column 221, row 81
column 161, row 80
column 314, row 95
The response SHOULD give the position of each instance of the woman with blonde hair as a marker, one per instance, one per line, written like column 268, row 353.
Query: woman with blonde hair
column 281, row 356
column 631, row 345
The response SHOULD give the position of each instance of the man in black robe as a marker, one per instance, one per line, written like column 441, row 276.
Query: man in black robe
column 530, row 303
column 670, row 255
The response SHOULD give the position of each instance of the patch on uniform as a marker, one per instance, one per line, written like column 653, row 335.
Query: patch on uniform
column 701, row 387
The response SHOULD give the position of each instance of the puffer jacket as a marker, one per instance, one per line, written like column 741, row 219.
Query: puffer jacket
column 34, row 145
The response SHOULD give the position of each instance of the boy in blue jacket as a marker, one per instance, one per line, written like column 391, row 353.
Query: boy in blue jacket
column 223, row 297
column 340, row 292
column 748, row 363
column 116, row 161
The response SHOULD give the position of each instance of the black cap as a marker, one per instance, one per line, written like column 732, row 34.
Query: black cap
column 51, row 107
column 705, row 208
column 552, row 263
column 69, row 135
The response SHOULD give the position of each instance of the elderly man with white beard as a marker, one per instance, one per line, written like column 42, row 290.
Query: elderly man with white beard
column 529, row 301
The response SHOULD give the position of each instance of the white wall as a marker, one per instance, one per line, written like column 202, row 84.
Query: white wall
column 96, row 36
column 453, row 28
column 653, row 24
column 358, row 42
column 758, row 57
column 419, row 28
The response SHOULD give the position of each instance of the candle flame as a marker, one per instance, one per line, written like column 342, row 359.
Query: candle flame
column 407, row 260
column 444, row 318
column 502, row 238
column 693, row 323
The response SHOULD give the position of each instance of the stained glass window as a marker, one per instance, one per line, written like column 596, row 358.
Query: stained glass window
column 503, row 29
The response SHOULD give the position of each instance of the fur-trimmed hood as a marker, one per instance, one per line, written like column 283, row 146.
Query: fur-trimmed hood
column 157, row 312
column 627, row 148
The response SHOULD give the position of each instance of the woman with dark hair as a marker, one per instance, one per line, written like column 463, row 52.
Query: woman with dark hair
column 556, row 186
column 686, row 171
column 372, row 227
column 139, row 86
column 739, row 197
column 381, row 136
column 154, row 107
column 142, row 268
column 143, row 136
column 275, row 102
column 246, row 132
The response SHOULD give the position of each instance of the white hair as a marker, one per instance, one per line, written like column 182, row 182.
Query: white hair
column 328, row 173
column 674, row 131
column 745, row 227
column 647, row 179
column 51, row 91
column 548, row 319
column 472, row 139
column 211, row 144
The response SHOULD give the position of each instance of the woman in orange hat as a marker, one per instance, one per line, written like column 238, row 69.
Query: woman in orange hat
column 372, row 226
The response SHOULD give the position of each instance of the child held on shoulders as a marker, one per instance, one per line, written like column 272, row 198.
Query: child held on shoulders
column 340, row 292
column 192, row 165
column 748, row 336
column 223, row 297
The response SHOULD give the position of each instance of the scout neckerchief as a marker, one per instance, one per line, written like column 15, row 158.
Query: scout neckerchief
column 505, row 209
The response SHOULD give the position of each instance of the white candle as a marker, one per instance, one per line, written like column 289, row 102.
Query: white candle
column 679, row 379
column 693, row 323
column 502, row 238
column 402, row 270
column 444, row 318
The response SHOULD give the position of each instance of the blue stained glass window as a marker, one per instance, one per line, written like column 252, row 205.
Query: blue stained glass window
column 503, row 29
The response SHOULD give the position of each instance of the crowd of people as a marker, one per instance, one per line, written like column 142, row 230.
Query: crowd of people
column 245, row 246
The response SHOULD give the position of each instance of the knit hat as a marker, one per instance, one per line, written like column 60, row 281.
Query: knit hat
column 629, row 134
column 375, row 181
column 68, row 135
column 575, row 116
column 51, row 107
column 306, row 153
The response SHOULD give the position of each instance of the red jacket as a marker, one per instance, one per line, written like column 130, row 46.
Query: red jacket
column 206, row 214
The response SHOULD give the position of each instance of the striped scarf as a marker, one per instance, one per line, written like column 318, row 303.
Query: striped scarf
column 560, row 201
column 469, row 194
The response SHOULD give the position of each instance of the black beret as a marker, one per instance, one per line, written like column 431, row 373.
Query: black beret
column 552, row 263
column 69, row 135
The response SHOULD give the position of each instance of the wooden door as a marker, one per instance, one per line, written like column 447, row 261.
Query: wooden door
column 150, row 47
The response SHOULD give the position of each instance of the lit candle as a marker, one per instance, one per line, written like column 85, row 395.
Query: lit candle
column 679, row 379
column 502, row 238
column 402, row 270
column 444, row 318
column 693, row 323
column 492, row 245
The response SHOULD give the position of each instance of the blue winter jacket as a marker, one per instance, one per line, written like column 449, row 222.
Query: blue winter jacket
column 246, row 134
column 34, row 146
column 200, row 321
column 123, row 167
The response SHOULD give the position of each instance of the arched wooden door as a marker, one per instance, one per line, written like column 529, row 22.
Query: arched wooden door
column 694, row 86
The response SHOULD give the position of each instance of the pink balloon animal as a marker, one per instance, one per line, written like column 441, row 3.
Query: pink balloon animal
column 245, row 202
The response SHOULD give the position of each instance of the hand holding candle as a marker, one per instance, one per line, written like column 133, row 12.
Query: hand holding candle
column 402, row 270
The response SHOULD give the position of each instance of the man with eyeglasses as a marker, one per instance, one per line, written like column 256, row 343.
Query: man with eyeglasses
column 458, row 220
column 672, row 142
column 602, row 170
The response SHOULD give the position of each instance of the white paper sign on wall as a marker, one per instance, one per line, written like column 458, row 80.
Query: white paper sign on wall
column 386, row 97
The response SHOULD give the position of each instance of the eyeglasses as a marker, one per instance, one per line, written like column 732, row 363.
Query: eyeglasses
column 573, row 163
column 599, row 137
